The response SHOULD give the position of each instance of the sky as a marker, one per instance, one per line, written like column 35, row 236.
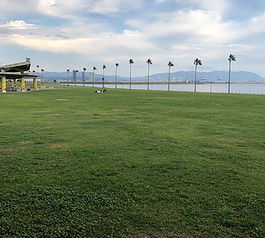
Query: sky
column 73, row 34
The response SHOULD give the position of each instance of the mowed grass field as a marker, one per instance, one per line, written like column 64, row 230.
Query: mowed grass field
column 74, row 163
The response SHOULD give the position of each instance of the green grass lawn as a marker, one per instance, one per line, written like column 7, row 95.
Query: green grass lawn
column 74, row 163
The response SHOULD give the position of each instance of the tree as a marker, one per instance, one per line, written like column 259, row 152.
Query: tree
column 116, row 75
column 196, row 63
column 230, row 59
column 84, row 76
column 170, row 64
column 103, row 67
column 149, row 61
column 131, row 62
column 94, row 69
column 76, row 71
column 67, row 72
column 42, row 71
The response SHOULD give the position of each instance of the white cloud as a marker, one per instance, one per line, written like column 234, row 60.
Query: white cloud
column 66, row 9
column 103, row 43
column 257, row 24
column 17, row 6
column 199, row 29
column 215, row 6
column 110, row 6
column 200, row 25
column 18, row 25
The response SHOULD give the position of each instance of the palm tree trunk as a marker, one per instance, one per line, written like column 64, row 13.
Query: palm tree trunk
column 130, row 76
column 93, row 79
column 103, row 79
column 168, row 85
column 148, row 77
column 116, row 77
column 195, row 82
column 75, row 79
column 229, row 80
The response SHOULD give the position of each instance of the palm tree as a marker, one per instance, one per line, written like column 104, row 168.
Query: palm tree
column 33, row 71
column 42, row 71
column 149, row 61
column 94, row 69
column 38, row 70
column 170, row 64
column 230, row 59
column 116, row 75
column 67, row 72
column 75, row 76
column 131, row 62
column 84, row 76
column 103, row 67
column 196, row 63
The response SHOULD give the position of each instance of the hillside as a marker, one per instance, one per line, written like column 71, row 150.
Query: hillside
column 180, row 76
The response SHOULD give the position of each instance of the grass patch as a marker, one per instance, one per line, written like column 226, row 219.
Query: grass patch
column 74, row 163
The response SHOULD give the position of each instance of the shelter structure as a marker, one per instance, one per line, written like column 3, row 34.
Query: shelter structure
column 15, row 72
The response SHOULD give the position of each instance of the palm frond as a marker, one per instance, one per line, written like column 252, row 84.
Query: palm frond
column 197, row 62
column 149, row 61
column 232, row 58
column 170, row 64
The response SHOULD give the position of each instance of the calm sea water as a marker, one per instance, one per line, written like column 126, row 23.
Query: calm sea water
column 214, row 88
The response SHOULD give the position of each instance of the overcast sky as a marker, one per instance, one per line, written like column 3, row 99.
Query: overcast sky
column 61, row 34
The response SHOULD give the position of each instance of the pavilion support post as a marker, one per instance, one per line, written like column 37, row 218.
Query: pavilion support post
column 3, row 89
column 23, row 85
column 35, row 84
column 15, row 83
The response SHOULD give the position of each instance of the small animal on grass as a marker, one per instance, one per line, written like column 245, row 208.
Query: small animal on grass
column 101, row 91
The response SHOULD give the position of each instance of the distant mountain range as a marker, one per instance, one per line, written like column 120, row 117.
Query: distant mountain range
column 181, row 76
